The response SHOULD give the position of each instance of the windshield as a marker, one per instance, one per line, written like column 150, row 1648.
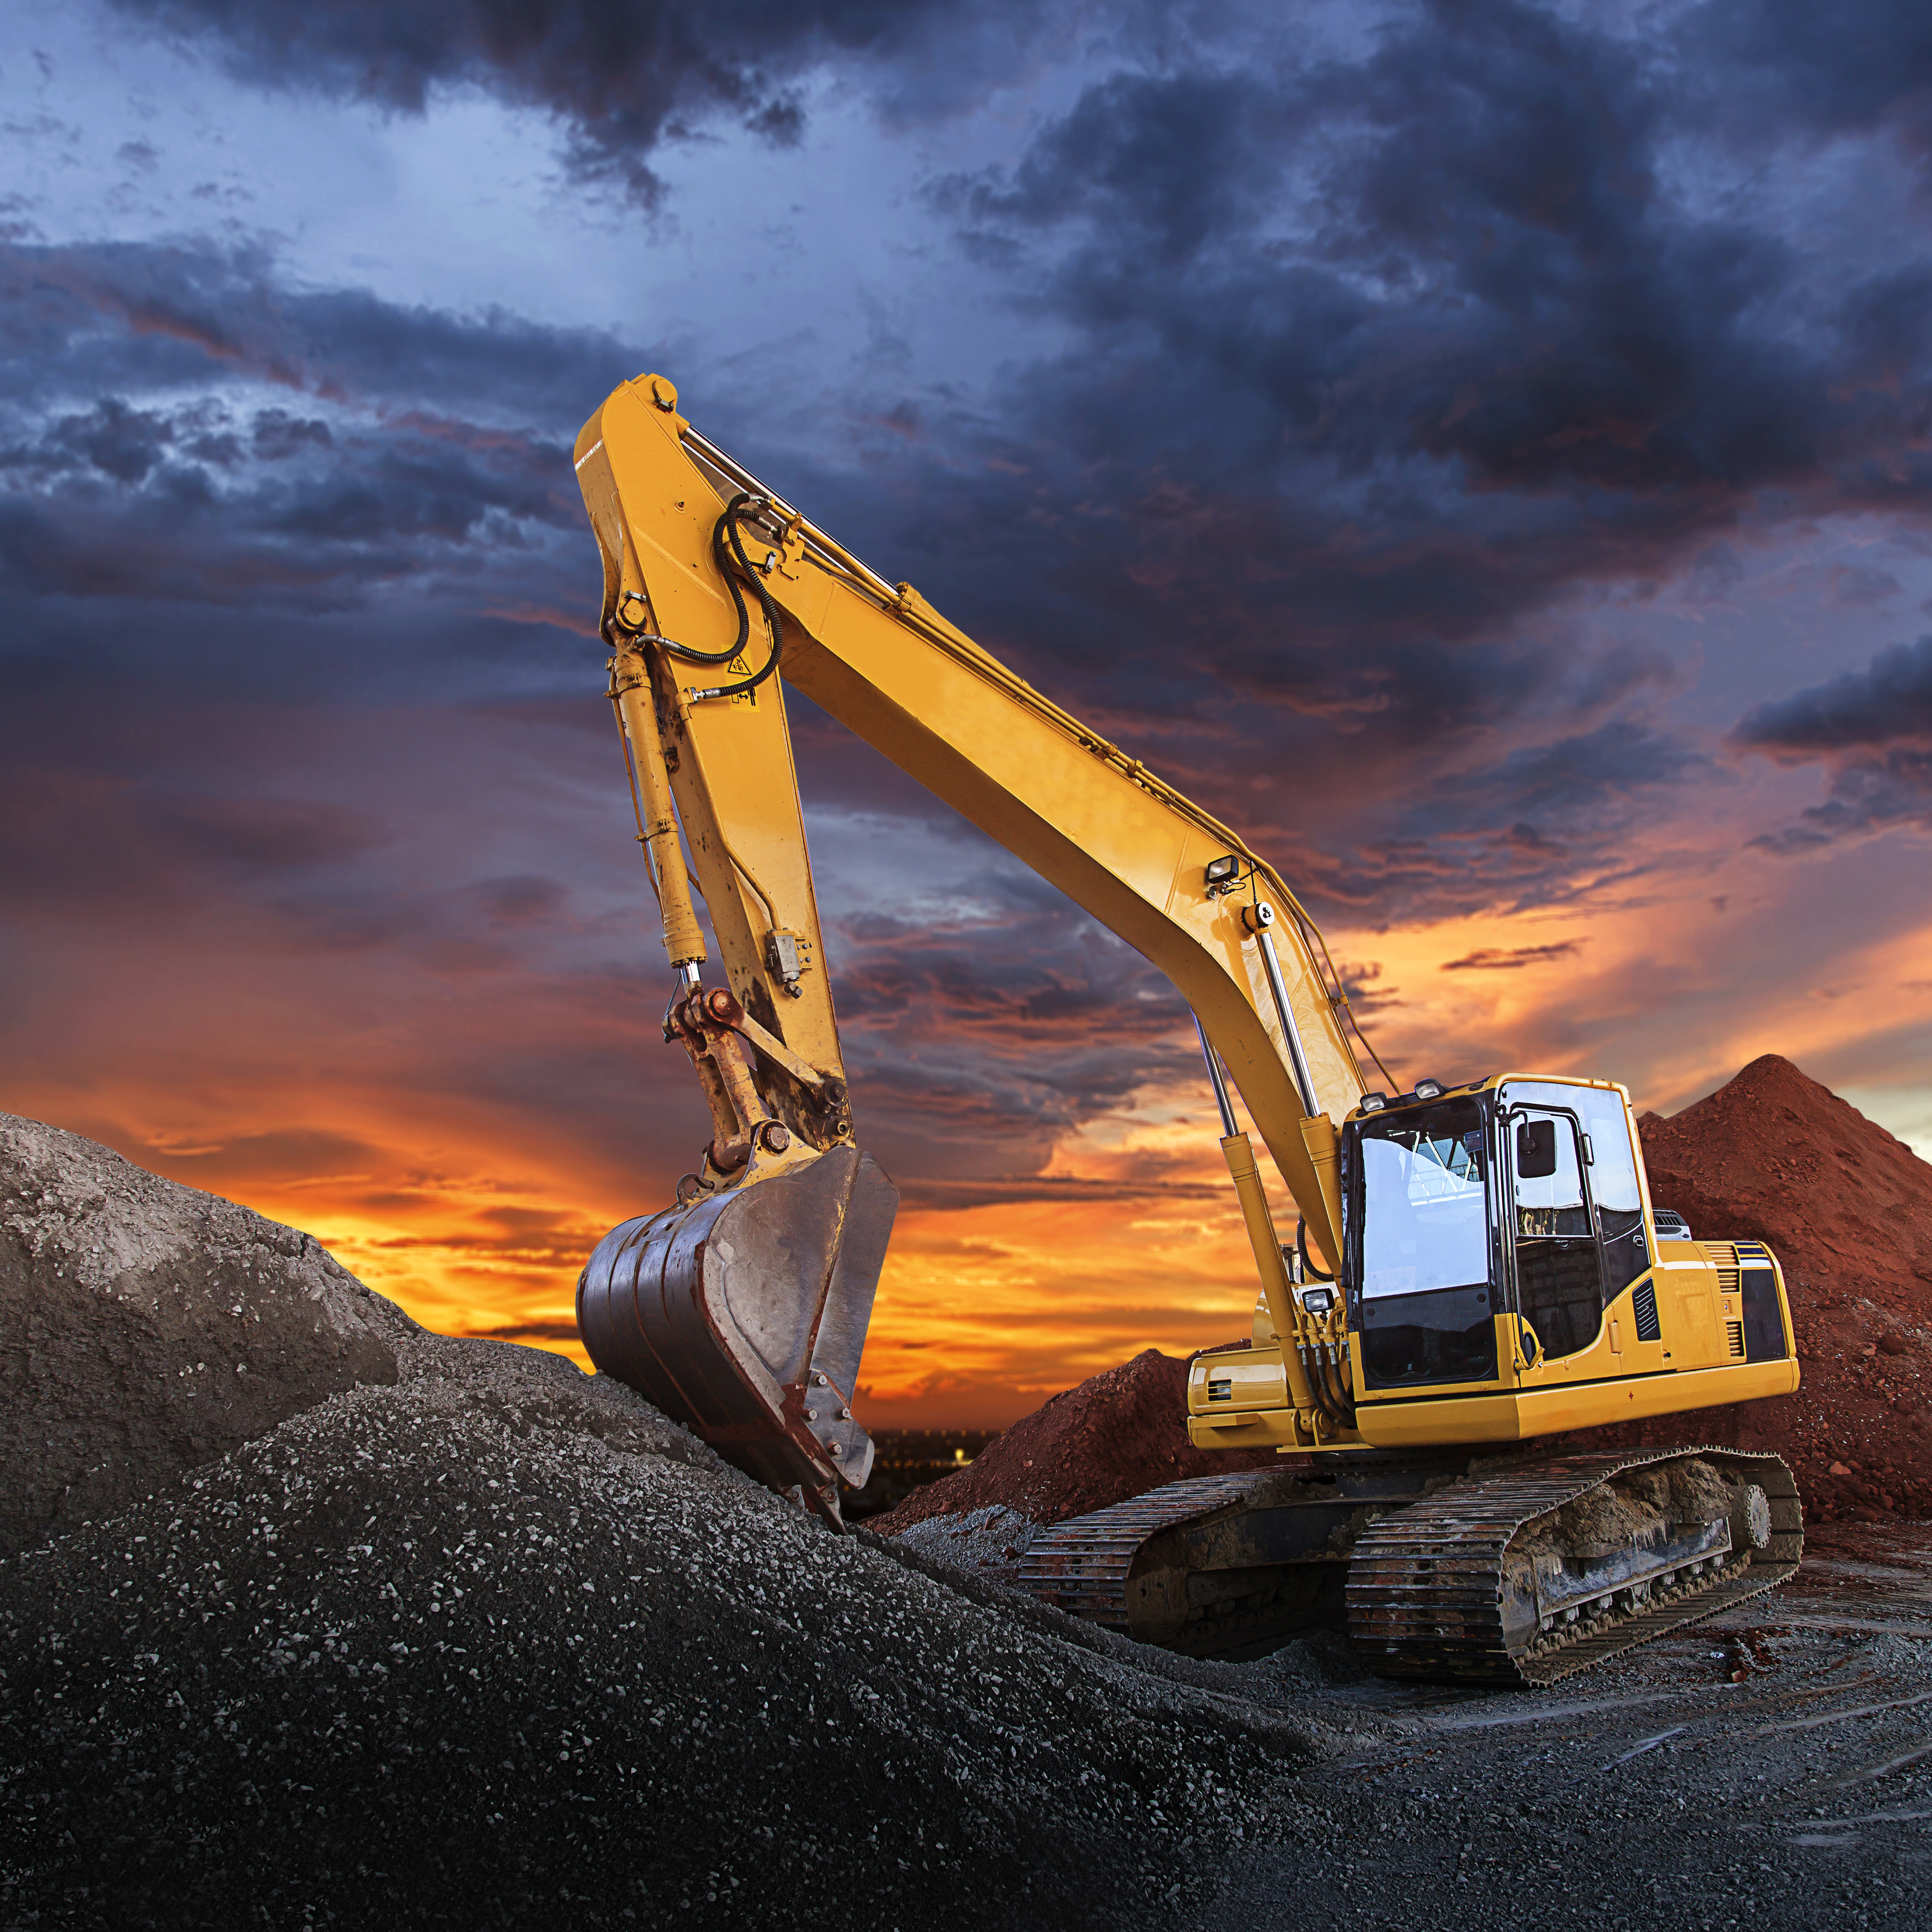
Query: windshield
column 1425, row 1200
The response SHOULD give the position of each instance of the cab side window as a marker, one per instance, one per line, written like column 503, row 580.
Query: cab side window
column 1613, row 1186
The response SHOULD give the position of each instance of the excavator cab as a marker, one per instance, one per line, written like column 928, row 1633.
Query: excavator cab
column 1503, row 1275
column 1438, row 1267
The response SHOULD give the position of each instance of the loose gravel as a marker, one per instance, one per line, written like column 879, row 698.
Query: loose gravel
column 146, row 1327
column 484, row 1647
column 456, row 1635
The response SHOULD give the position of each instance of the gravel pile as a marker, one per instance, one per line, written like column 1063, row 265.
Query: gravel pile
column 988, row 1541
column 493, row 1643
column 146, row 1327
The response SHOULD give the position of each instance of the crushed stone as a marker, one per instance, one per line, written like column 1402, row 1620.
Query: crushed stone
column 477, row 1649
column 146, row 1327
column 988, row 1541
column 445, row 1632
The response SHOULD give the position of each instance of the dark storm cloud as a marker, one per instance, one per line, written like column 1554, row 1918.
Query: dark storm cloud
column 139, row 316
column 1375, row 361
column 1446, row 285
column 271, row 834
column 623, row 75
column 329, row 443
column 1510, row 958
column 79, row 840
column 1873, row 731
column 1865, row 796
column 1786, row 62
column 1887, row 703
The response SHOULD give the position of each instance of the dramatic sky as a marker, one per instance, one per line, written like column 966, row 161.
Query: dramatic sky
column 1479, row 449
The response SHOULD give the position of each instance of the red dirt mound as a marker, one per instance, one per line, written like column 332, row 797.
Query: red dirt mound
column 1121, row 1432
column 1775, row 1157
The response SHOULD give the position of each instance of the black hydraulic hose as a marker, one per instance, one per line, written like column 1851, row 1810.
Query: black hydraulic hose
column 1317, row 1386
column 725, row 531
column 1338, row 1394
column 1308, row 1267
column 1323, row 1364
column 728, row 531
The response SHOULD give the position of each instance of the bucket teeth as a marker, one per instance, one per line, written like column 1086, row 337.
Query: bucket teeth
column 742, row 1316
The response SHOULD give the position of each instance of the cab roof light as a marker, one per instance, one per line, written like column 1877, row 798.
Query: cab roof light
column 1428, row 1090
column 1373, row 1103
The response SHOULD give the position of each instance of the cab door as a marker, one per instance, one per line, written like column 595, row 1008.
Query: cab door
column 1559, row 1261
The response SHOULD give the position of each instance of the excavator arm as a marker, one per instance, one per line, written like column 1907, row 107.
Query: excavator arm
column 717, row 593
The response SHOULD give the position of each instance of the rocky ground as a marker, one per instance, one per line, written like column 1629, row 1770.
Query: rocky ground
column 376, row 1627
column 1771, row 1769
column 455, row 1634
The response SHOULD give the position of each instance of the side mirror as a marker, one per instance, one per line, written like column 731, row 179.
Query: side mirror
column 1535, row 1150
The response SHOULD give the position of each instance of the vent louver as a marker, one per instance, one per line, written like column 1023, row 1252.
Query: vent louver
column 1643, row 1306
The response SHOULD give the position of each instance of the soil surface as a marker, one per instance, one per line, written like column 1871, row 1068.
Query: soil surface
column 1769, row 1770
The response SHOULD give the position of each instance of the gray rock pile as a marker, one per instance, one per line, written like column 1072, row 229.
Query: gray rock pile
column 146, row 1327
column 445, row 1632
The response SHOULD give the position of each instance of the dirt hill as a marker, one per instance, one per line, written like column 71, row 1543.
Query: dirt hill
column 1115, row 1434
column 1774, row 1157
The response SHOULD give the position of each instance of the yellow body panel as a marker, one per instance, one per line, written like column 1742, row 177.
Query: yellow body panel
column 1695, row 1363
column 1510, row 1415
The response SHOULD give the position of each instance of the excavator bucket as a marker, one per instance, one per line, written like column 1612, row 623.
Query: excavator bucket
column 743, row 1316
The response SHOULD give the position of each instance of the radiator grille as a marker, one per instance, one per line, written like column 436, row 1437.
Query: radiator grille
column 1734, row 1333
column 1726, row 1256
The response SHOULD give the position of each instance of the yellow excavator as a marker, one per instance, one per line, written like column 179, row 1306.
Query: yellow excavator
column 1473, row 1266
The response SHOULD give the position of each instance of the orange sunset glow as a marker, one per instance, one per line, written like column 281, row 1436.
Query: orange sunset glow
column 999, row 1290
column 1507, row 507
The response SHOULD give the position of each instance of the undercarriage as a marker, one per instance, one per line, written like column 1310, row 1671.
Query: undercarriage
column 1501, row 1570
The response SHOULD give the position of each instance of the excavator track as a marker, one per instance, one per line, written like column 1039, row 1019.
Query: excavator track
column 1081, row 1565
column 1438, row 1585
column 1426, row 1594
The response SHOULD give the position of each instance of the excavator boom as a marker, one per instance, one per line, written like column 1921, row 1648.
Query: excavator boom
column 718, row 595
column 1121, row 844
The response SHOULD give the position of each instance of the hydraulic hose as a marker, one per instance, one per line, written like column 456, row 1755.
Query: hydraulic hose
column 727, row 548
column 1322, row 1362
column 1308, row 1267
